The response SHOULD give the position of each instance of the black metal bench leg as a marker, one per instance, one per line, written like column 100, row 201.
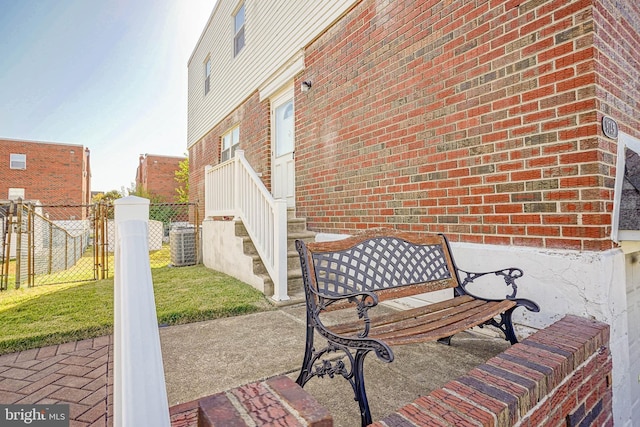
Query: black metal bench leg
column 509, row 332
column 361, row 394
column 305, row 370
column 445, row 340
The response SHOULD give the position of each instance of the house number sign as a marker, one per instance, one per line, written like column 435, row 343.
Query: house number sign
column 609, row 127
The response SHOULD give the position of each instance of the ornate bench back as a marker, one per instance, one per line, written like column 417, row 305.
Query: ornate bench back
column 388, row 262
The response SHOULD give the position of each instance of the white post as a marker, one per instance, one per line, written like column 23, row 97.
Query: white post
column 140, row 396
column 237, row 179
column 280, row 250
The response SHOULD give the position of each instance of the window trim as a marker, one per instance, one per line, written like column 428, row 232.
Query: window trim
column 617, row 235
column 207, row 75
column 13, row 160
column 238, row 33
column 234, row 136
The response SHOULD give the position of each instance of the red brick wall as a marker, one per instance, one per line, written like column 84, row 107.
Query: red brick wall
column 253, row 118
column 156, row 175
column 559, row 376
column 478, row 119
column 617, row 61
column 55, row 173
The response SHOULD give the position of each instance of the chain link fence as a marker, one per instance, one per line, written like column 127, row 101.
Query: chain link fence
column 59, row 244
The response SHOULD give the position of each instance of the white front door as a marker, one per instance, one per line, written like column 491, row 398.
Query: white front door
column 283, row 147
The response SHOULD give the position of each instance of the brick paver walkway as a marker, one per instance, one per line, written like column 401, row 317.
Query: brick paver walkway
column 78, row 373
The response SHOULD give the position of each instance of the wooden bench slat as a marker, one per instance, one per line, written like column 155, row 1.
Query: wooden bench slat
column 357, row 325
column 446, row 328
column 446, row 318
column 416, row 324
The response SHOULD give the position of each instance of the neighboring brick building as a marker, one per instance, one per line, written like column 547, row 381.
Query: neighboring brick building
column 481, row 120
column 51, row 173
column 156, row 176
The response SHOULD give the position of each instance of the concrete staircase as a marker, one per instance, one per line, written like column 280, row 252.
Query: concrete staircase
column 296, row 229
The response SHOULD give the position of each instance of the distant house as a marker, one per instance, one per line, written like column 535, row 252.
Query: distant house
column 481, row 120
column 50, row 173
column 156, row 176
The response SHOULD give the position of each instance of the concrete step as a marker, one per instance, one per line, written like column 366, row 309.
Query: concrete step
column 296, row 229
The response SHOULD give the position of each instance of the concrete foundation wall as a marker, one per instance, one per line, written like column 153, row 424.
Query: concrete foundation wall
column 223, row 251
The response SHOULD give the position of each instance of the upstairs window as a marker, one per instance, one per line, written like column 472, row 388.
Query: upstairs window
column 230, row 142
column 207, row 75
column 238, row 31
column 18, row 161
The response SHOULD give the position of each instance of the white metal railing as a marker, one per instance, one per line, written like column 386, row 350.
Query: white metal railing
column 140, row 396
column 234, row 189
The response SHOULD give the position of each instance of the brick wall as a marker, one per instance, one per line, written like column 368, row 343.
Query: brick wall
column 559, row 376
column 478, row 119
column 156, row 175
column 56, row 174
column 617, row 61
column 253, row 118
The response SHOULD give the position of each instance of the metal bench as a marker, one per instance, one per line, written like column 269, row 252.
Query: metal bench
column 382, row 264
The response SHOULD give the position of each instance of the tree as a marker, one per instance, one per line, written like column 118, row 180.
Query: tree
column 107, row 197
column 182, row 177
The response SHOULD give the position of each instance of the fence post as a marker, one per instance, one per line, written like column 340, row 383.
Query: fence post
column 280, row 251
column 140, row 396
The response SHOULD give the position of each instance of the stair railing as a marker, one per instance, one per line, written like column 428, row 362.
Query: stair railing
column 233, row 188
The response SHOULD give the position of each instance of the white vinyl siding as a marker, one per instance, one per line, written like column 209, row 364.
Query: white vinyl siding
column 279, row 30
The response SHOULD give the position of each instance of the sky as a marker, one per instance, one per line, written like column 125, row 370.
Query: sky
column 110, row 75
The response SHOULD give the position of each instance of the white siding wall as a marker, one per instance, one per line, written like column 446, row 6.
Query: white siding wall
column 275, row 32
column 633, row 319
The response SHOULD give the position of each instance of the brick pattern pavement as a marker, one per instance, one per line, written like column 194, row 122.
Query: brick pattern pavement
column 274, row 402
column 78, row 373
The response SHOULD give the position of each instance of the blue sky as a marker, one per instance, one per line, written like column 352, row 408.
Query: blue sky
column 107, row 74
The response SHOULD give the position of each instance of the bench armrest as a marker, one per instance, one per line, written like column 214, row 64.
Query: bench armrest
column 509, row 276
column 363, row 302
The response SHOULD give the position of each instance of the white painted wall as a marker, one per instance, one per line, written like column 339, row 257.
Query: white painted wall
column 223, row 251
column 632, row 267
column 276, row 31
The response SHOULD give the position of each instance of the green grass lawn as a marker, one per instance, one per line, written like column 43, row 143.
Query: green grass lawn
column 53, row 314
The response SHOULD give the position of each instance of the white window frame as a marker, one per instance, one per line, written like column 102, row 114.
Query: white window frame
column 230, row 141
column 207, row 75
column 15, row 193
column 238, row 30
column 624, row 141
column 18, row 161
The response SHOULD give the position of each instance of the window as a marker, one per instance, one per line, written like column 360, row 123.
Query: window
column 238, row 31
column 230, row 142
column 207, row 75
column 626, row 215
column 16, row 193
column 18, row 161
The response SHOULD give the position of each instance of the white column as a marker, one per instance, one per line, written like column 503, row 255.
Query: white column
column 140, row 396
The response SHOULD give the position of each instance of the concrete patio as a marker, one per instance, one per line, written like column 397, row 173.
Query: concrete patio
column 204, row 358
